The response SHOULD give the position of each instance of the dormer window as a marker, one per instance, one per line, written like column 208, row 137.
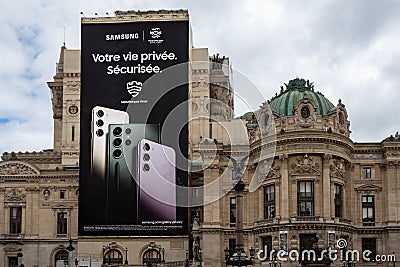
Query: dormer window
column 305, row 112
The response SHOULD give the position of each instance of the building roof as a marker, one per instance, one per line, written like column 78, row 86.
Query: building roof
column 285, row 102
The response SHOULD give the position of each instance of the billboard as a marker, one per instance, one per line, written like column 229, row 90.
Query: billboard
column 132, row 154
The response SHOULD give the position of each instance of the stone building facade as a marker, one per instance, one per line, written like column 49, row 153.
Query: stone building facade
column 318, row 190
column 39, row 190
column 319, row 187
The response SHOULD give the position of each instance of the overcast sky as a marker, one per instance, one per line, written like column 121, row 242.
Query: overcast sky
column 349, row 49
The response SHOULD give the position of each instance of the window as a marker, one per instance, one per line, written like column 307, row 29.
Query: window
column 150, row 257
column 338, row 190
column 366, row 173
column 63, row 194
column 114, row 256
column 267, row 246
column 62, row 223
column 232, row 211
column 232, row 246
column 60, row 258
column 12, row 261
column 15, row 220
column 368, row 210
column 73, row 134
column 305, row 112
column 307, row 242
column 369, row 244
column 305, row 198
column 269, row 202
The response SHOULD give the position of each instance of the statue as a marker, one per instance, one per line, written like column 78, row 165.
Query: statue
column 196, row 247
column 238, row 168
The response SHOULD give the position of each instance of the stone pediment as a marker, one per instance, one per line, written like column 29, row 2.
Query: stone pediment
column 17, row 168
column 305, row 166
column 368, row 187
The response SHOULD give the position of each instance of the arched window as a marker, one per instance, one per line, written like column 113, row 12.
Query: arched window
column 113, row 256
column 60, row 258
column 151, row 256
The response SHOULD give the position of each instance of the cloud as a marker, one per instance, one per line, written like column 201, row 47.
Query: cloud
column 349, row 49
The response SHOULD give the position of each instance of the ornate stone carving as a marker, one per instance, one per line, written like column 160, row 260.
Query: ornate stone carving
column 327, row 157
column 305, row 166
column 266, row 120
column 73, row 110
column 275, row 171
column 73, row 85
column 32, row 189
column 219, row 109
column 17, row 168
column 368, row 156
column 392, row 164
column 338, row 169
column 46, row 194
column 395, row 138
column 304, row 114
column 341, row 123
column 14, row 195
column 57, row 102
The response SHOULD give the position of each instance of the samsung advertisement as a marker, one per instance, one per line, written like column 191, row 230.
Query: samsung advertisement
column 134, row 133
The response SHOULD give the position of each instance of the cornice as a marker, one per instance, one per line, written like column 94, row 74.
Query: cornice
column 137, row 16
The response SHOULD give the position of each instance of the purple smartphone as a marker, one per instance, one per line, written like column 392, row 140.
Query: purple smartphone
column 156, row 182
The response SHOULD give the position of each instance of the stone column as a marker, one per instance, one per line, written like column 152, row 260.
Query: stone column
column 260, row 192
column 210, row 228
column 284, row 194
column 392, row 193
column 211, row 208
column 327, row 193
column 278, row 194
column 239, row 220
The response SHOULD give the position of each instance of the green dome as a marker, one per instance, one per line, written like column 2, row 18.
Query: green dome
column 285, row 102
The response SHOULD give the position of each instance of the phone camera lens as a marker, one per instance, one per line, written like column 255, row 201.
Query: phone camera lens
column 100, row 123
column 100, row 113
column 146, row 167
column 100, row 132
column 117, row 153
column 146, row 157
column 146, row 147
column 128, row 130
column 117, row 142
column 128, row 142
column 117, row 131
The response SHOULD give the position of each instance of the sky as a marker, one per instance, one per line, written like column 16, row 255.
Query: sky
column 349, row 49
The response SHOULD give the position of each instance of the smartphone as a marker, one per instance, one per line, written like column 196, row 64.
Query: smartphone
column 102, row 117
column 156, row 182
column 122, row 165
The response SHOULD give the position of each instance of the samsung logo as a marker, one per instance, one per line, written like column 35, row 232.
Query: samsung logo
column 122, row 36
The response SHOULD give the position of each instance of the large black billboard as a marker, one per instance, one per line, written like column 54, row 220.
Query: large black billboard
column 132, row 154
